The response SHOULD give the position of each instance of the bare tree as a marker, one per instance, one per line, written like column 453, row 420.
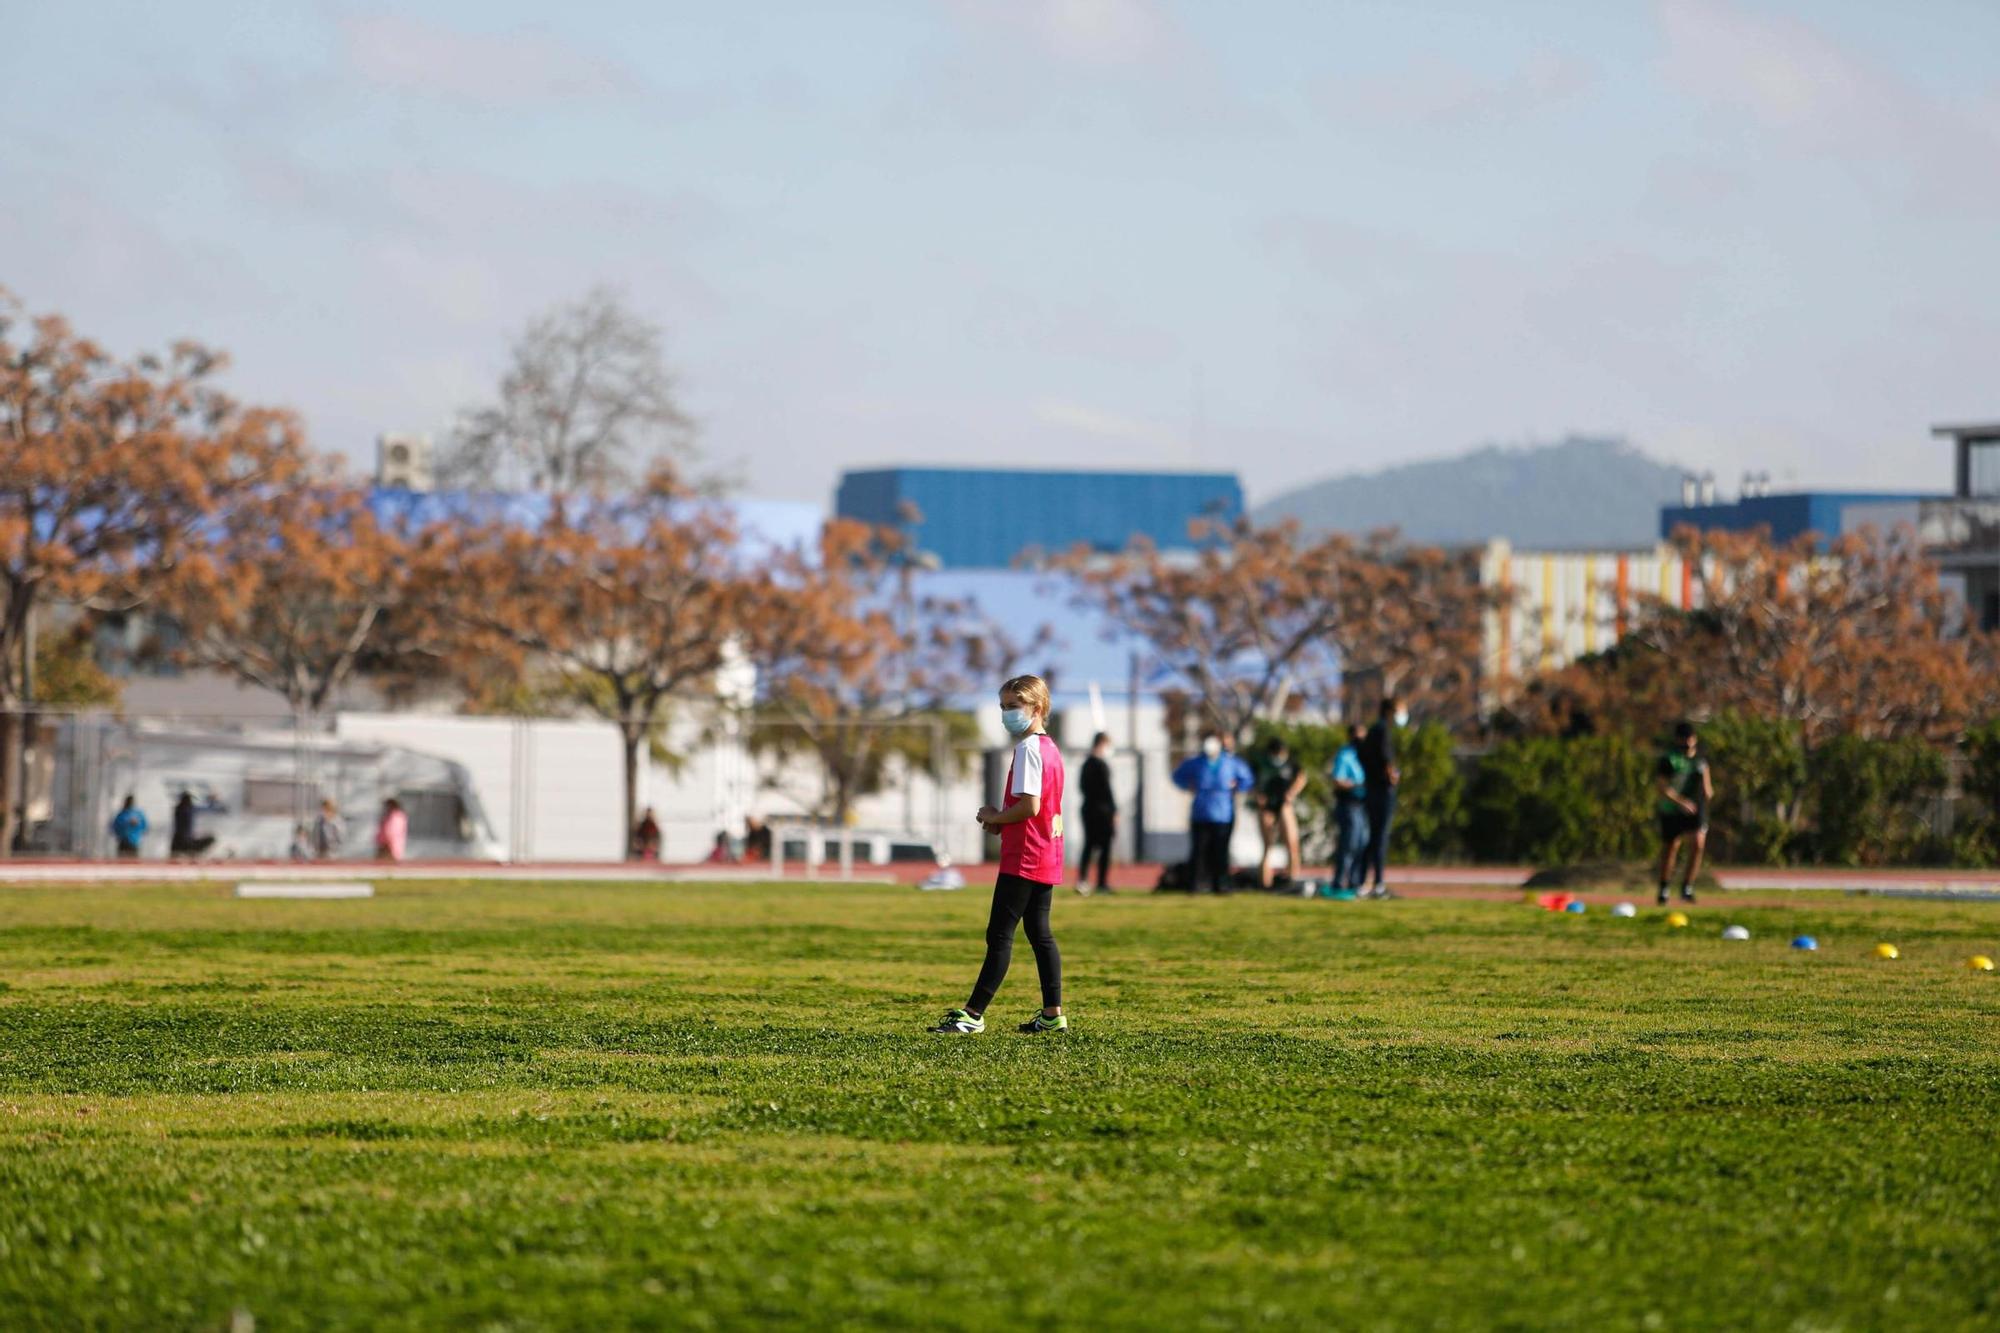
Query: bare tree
column 587, row 403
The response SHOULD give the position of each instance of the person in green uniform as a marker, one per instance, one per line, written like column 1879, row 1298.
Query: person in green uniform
column 1279, row 781
column 1685, row 790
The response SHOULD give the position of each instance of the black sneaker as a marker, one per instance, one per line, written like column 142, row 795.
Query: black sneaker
column 1043, row 1023
column 1662, row 898
column 1687, row 895
column 959, row 1021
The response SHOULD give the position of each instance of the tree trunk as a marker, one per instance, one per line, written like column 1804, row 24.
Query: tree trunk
column 15, row 667
column 634, row 735
column 842, row 796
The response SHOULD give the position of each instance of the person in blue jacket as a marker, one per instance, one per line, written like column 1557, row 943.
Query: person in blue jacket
column 128, row 828
column 1350, row 812
column 1214, row 776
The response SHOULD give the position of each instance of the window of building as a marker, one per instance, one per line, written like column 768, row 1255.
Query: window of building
column 278, row 796
column 438, row 815
column 1982, row 467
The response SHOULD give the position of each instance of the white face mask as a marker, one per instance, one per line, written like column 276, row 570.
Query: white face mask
column 1402, row 717
column 1211, row 747
column 1018, row 721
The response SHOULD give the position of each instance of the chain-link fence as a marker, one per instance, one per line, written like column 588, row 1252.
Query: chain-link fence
column 493, row 789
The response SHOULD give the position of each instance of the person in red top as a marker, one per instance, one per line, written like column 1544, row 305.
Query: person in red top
column 1030, row 824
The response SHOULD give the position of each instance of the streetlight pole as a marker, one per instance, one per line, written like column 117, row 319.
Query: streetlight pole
column 21, row 724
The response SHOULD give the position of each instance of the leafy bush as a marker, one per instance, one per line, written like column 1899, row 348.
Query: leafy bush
column 1549, row 800
column 1869, row 799
column 1545, row 800
column 1430, row 813
column 1430, row 800
column 1759, row 768
column 1975, row 834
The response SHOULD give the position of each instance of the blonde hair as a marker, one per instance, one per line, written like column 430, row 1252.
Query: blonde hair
column 1032, row 691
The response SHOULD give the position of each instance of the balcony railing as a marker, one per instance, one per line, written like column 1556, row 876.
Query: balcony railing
column 1962, row 530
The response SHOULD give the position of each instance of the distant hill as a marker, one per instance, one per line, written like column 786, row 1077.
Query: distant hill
column 1579, row 492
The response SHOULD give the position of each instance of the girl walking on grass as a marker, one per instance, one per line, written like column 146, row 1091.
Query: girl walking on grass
column 1029, row 823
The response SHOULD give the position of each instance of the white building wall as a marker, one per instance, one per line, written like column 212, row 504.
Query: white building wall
column 553, row 789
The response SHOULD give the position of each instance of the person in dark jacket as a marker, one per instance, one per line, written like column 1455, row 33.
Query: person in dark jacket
column 185, row 842
column 1100, row 815
column 1378, row 763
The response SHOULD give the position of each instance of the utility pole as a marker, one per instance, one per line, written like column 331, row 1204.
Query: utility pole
column 22, row 723
column 1138, row 760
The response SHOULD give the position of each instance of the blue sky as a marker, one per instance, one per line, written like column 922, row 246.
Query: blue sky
column 1290, row 238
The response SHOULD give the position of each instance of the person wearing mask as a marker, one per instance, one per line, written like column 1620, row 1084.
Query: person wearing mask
column 1029, row 824
column 392, row 831
column 1100, row 815
column 1378, row 764
column 1279, row 782
column 327, row 832
column 1214, row 777
column 185, row 841
column 128, row 828
column 1350, row 816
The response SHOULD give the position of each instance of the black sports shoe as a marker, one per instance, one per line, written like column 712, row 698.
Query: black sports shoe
column 1687, row 895
column 1662, row 898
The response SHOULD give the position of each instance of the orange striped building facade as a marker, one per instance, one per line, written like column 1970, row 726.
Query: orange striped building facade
column 1569, row 604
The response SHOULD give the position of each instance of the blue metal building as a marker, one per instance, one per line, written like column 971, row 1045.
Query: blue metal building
column 981, row 518
column 1828, row 513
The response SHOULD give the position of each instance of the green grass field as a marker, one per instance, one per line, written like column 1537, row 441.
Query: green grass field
column 557, row 1106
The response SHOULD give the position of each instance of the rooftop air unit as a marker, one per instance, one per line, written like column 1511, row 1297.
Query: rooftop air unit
column 403, row 462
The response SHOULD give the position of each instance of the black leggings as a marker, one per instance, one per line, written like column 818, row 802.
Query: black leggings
column 1015, row 899
column 1096, row 845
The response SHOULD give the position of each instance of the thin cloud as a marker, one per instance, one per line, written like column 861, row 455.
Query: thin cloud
column 1105, row 425
column 1815, row 96
column 1104, row 33
column 522, row 65
column 1083, row 66
column 1436, row 93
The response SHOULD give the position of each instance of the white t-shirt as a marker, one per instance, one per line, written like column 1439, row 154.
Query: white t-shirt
column 1027, row 767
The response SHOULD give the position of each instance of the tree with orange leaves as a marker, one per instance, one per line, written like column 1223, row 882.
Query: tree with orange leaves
column 858, row 665
column 299, row 587
column 1256, row 618
column 633, row 603
column 108, row 471
column 1411, row 627
column 1851, row 636
column 1243, row 623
